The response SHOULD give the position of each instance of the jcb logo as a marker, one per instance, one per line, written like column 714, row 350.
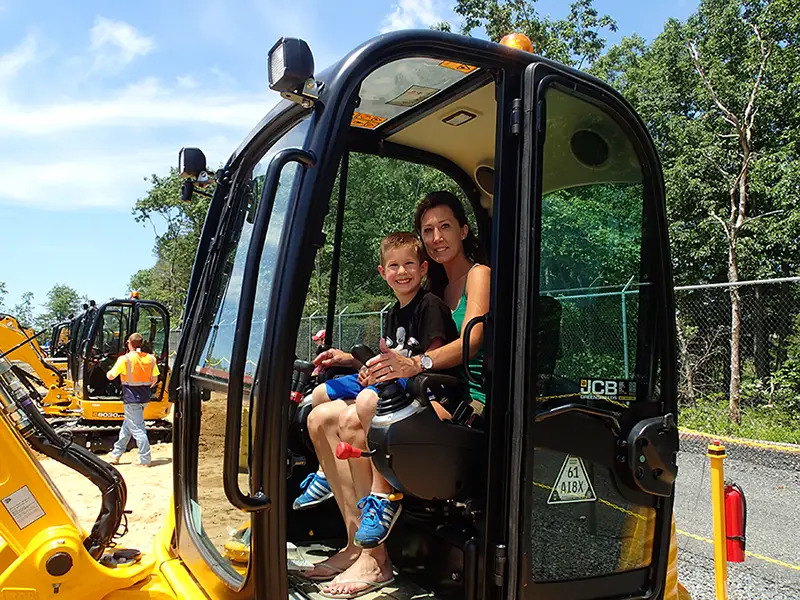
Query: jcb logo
column 599, row 387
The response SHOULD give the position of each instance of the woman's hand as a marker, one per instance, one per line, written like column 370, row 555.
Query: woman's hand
column 389, row 365
column 333, row 358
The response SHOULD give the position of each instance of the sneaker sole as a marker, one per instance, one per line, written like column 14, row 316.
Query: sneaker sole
column 369, row 545
column 313, row 503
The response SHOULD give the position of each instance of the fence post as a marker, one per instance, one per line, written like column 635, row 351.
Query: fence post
column 311, row 333
column 339, row 338
column 716, row 456
column 383, row 310
column 625, row 327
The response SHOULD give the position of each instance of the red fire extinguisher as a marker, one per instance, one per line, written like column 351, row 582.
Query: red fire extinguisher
column 735, row 521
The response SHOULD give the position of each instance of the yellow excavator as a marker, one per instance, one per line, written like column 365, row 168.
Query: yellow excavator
column 21, row 347
column 561, row 488
column 80, row 402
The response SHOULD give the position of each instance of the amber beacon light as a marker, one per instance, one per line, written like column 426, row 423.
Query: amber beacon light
column 520, row 41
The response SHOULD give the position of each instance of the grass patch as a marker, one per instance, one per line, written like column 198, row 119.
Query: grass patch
column 776, row 423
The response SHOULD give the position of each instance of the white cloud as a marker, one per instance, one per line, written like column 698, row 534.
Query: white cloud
column 186, row 82
column 144, row 104
column 116, row 44
column 97, row 178
column 12, row 62
column 409, row 14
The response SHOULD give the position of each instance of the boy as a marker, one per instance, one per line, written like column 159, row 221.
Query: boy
column 417, row 323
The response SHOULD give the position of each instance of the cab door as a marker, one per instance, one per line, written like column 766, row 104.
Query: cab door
column 151, row 319
column 594, row 402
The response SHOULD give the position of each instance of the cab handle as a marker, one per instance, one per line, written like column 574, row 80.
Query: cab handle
column 605, row 415
column 258, row 500
column 465, row 347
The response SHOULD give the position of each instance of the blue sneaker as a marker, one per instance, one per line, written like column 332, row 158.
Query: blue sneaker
column 378, row 516
column 316, row 489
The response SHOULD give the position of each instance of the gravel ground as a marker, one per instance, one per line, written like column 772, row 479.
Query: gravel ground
column 771, row 482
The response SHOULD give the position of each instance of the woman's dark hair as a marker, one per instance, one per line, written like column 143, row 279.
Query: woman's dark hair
column 437, row 277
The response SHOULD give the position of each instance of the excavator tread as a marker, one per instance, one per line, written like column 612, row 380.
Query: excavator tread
column 99, row 436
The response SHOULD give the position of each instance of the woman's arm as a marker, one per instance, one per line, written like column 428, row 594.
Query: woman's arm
column 478, row 284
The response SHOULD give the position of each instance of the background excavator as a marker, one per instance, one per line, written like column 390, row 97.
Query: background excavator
column 80, row 402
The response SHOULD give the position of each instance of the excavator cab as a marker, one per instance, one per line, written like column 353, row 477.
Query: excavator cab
column 564, row 487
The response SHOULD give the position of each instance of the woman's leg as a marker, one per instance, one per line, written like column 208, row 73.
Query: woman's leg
column 323, row 426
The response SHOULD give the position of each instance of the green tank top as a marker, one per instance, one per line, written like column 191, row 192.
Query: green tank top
column 476, row 362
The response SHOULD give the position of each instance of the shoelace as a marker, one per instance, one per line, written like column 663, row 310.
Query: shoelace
column 371, row 509
column 307, row 481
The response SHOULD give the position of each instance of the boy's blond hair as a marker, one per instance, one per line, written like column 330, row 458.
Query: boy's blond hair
column 402, row 239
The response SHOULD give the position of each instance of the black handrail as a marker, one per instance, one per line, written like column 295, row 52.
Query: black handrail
column 465, row 347
column 258, row 501
column 606, row 415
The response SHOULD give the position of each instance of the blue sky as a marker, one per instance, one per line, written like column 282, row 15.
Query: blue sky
column 97, row 95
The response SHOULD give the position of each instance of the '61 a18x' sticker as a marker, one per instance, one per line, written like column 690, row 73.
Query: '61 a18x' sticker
column 621, row 390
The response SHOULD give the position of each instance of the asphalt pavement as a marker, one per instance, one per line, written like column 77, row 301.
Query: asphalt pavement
column 771, row 483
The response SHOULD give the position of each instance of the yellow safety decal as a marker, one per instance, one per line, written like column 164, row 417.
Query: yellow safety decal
column 366, row 121
column 460, row 67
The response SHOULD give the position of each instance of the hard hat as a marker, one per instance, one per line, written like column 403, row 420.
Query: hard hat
column 319, row 336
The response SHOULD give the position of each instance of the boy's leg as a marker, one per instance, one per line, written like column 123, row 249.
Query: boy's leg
column 316, row 488
column 366, row 406
column 135, row 414
column 319, row 395
column 351, row 431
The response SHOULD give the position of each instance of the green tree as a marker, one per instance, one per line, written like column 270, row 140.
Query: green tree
column 575, row 40
column 23, row 311
column 720, row 97
column 3, row 292
column 175, row 247
column 62, row 301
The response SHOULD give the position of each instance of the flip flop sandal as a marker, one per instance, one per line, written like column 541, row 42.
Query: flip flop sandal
column 372, row 586
column 333, row 572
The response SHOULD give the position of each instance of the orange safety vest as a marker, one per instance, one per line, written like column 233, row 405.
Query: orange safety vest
column 138, row 369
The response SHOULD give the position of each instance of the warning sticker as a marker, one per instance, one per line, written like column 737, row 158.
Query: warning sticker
column 23, row 507
column 366, row 121
column 413, row 96
column 572, row 483
column 461, row 67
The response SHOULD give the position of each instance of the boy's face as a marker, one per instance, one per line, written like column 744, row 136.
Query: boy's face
column 403, row 271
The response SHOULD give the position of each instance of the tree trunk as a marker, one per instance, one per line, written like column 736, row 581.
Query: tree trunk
column 686, row 362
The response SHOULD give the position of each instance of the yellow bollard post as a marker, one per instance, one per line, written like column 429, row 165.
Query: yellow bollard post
column 716, row 455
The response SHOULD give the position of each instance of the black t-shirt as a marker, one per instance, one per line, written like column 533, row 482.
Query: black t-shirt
column 410, row 329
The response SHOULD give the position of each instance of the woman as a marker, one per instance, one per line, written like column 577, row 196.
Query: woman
column 456, row 275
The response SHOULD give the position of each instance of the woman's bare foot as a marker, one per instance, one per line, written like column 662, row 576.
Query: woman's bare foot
column 373, row 566
column 334, row 565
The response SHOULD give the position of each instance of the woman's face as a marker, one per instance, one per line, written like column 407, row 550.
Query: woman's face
column 442, row 235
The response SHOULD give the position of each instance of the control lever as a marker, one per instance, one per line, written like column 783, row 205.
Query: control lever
column 362, row 353
column 345, row 451
column 653, row 453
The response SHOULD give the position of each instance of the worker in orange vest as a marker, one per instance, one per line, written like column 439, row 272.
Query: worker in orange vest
column 138, row 372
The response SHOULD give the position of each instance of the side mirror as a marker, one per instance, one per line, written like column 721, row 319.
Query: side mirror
column 191, row 162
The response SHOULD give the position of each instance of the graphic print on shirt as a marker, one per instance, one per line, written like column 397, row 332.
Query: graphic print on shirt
column 403, row 347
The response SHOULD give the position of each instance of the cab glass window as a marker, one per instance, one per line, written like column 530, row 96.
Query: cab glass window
column 593, row 274
column 224, row 529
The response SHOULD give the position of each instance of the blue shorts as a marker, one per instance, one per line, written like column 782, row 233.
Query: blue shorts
column 347, row 387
